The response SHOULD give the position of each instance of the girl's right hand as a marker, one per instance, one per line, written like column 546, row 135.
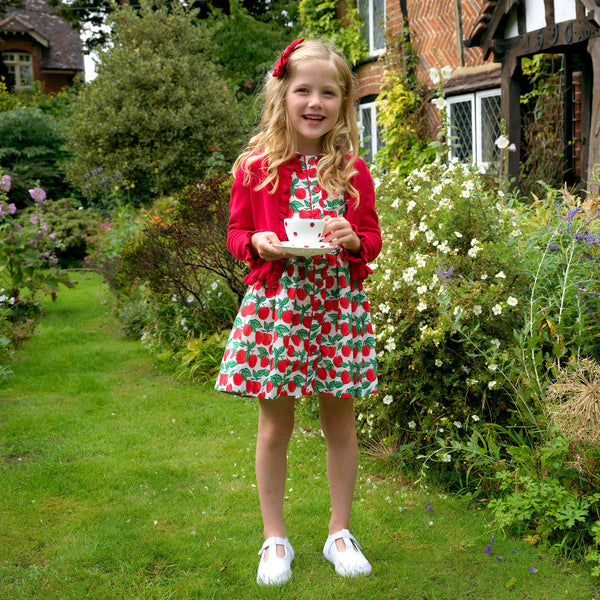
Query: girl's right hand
column 263, row 243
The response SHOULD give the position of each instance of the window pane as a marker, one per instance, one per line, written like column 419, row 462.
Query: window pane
column 366, row 135
column 490, row 128
column 461, row 130
column 378, row 24
column 363, row 11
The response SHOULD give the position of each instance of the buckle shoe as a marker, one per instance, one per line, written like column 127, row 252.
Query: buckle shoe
column 349, row 563
column 275, row 571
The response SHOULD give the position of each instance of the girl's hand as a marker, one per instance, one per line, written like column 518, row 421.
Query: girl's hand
column 339, row 232
column 263, row 243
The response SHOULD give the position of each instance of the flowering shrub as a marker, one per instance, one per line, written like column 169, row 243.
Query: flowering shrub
column 27, row 267
column 456, row 243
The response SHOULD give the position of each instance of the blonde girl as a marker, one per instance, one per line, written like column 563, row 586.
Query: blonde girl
column 304, row 326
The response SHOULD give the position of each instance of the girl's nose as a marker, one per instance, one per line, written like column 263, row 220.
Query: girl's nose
column 314, row 100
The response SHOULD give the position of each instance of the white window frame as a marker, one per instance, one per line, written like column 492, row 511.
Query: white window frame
column 16, row 63
column 373, row 135
column 369, row 21
column 475, row 99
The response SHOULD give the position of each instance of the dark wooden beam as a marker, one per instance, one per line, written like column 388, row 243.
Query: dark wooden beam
column 511, row 111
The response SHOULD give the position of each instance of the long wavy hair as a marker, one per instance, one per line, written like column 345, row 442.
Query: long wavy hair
column 275, row 141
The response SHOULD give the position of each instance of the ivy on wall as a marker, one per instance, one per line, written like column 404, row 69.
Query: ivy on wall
column 320, row 18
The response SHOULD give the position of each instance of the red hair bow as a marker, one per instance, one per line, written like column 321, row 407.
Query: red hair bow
column 279, row 67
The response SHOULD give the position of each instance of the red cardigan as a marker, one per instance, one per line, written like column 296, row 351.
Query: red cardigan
column 258, row 210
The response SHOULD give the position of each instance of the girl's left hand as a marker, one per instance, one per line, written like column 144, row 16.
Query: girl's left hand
column 339, row 232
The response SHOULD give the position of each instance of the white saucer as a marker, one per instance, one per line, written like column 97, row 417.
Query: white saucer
column 318, row 250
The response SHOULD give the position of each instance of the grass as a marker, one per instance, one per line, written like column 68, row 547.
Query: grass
column 117, row 482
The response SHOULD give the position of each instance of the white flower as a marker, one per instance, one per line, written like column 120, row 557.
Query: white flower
column 475, row 418
column 421, row 289
column 458, row 311
column 495, row 342
column 409, row 274
column 502, row 142
column 473, row 252
column 497, row 310
column 438, row 362
column 410, row 206
column 440, row 103
column 420, row 260
column 390, row 344
column 457, row 424
column 384, row 308
column 429, row 236
column 388, row 399
column 492, row 367
column 447, row 72
column 484, row 276
column 491, row 384
column 423, row 226
column 214, row 285
column 466, row 193
column 422, row 306
column 412, row 424
column 500, row 275
column 477, row 309
column 512, row 301
column 396, row 203
column 446, row 458
column 434, row 75
column 444, row 247
column 458, row 234
column 190, row 299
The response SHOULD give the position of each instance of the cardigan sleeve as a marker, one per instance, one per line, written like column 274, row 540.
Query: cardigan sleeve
column 364, row 221
column 241, row 219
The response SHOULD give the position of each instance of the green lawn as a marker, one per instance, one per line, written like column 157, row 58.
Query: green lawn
column 117, row 482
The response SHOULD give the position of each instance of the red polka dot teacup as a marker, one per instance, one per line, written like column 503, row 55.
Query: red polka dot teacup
column 304, row 232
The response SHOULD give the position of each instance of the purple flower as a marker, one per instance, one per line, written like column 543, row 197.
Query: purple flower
column 444, row 275
column 488, row 549
column 492, row 542
column 38, row 194
column 532, row 570
column 12, row 209
column 53, row 236
column 5, row 183
column 499, row 559
column 514, row 552
column 429, row 508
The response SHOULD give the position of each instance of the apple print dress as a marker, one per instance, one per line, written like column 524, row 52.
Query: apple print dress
column 312, row 334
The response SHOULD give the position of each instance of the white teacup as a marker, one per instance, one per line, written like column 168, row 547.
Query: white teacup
column 304, row 232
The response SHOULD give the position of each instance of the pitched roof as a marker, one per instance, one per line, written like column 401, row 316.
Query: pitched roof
column 62, row 44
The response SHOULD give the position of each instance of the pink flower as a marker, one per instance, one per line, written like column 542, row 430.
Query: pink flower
column 5, row 183
column 38, row 194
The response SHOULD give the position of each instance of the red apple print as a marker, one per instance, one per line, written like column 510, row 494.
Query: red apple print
column 322, row 373
column 252, row 360
column 267, row 338
column 332, row 373
column 237, row 334
column 292, row 387
column 345, row 377
column 247, row 329
column 326, row 328
column 248, row 387
column 296, row 340
column 332, row 351
column 337, row 360
column 371, row 376
column 264, row 361
column 256, row 387
column 345, row 328
column 344, row 302
column 282, row 365
column 258, row 337
column 240, row 357
column 301, row 294
column 329, row 282
column 307, row 322
column 296, row 319
column 286, row 316
column 291, row 293
column 346, row 350
column 300, row 193
column 343, row 282
column 269, row 386
column 263, row 313
column 366, row 350
column 223, row 379
column 365, row 305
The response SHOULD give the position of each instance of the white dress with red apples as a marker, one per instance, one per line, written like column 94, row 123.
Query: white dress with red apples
column 312, row 334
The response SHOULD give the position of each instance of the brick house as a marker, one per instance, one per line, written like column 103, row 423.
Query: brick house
column 37, row 45
column 436, row 29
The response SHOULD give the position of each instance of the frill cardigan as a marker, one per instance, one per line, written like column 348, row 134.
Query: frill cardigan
column 255, row 210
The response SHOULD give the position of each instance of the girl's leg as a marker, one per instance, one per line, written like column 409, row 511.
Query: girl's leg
column 275, row 426
column 339, row 427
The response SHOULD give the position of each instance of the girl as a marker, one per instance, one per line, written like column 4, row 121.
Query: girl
column 304, row 326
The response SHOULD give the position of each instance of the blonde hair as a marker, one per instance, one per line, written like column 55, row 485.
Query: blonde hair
column 275, row 142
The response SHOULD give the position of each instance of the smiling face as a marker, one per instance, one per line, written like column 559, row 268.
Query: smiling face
column 313, row 102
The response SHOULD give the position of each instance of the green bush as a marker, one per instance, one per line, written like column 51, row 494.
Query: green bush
column 157, row 109
column 72, row 225
column 31, row 150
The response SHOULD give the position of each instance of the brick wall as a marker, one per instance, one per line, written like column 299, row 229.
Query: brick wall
column 435, row 38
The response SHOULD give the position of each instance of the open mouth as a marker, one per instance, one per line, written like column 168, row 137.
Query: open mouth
column 313, row 118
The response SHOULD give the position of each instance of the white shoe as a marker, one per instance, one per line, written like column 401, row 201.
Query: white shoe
column 275, row 570
column 350, row 562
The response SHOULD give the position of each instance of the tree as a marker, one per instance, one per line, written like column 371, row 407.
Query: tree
column 159, row 110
